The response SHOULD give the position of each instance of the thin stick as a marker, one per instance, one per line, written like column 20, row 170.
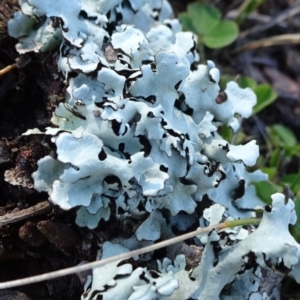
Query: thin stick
column 21, row 62
column 23, row 214
column 7, row 69
column 99, row 263
column 287, row 13
column 283, row 39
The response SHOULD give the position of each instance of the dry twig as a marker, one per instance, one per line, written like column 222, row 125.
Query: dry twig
column 21, row 62
column 23, row 214
column 292, row 38
column 99, row 263
column 287, row 13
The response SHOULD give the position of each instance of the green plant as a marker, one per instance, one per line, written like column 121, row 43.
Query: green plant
column 281, row 148
column 206, row 22
column 247, row 7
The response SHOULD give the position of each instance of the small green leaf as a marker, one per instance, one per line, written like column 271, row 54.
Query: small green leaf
column 226, row 133
column 221, row 35
column 286, row 135
column 273, row 162
column 224, row 80
column 265, row 96
column 293, row 180
column 293, row 150
column 265, row 189
column 245, row 81
column 186, row 22
column 261, row 162
column 273, row 139
column 271, row 171
column 204, row 17
column 247, row 7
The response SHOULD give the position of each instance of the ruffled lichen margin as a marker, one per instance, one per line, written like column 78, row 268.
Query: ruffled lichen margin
column 138, row 132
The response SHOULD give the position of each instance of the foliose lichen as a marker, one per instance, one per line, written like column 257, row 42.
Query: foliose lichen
column 138, row 132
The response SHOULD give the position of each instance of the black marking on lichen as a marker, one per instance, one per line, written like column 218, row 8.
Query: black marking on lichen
column 239, row 192
column 147, row 146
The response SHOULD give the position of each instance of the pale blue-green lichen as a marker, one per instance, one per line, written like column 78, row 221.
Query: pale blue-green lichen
column 138, row 133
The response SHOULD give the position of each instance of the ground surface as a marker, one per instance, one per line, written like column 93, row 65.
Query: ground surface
column 44, row 238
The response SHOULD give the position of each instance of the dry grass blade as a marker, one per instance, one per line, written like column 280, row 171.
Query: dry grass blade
column 292, row 38
column 99, row 263
column 287, row 13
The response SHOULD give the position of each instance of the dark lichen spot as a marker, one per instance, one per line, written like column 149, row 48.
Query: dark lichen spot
column 225, row 148
column 102, row 155
column 268, row 208
column 121, row 147
column 150, row 99
column 186, row 181
column 239, row 192
column 147, row 146
column 177, row 85
column 163, row 168
column 115, row 125
column 221, row 98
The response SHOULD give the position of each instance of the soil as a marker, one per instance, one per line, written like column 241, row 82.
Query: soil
column 41, row 237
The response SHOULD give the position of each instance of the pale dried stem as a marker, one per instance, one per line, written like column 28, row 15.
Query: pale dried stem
column 292, row 38
column 99, row 263
column 286, row 14
column 7, row 69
